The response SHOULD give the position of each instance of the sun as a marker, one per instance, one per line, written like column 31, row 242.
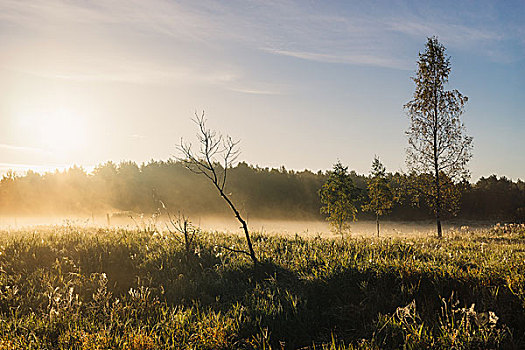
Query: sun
column 60, row 132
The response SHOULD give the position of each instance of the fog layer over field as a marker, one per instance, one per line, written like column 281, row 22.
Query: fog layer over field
column 303, row 228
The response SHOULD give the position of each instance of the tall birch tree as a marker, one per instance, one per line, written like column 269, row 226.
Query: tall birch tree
column 438, row 146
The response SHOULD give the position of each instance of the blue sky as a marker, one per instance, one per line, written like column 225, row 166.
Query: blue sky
column 300, row 83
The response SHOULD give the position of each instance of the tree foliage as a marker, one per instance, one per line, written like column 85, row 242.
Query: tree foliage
column 380, row 194
column 338, row 198
column 262, row 193
column 439, row 148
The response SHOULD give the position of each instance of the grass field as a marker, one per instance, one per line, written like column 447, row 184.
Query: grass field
column 66, row 287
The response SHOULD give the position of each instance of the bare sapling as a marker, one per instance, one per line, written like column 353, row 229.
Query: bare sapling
column 182, row 225
column 213, row 159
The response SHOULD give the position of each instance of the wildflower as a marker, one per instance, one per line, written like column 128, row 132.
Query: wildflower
column 493, row 319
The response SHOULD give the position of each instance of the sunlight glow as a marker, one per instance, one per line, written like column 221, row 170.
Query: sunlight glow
column 60, row 132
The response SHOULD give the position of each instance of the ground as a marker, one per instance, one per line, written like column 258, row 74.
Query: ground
column 76, row 287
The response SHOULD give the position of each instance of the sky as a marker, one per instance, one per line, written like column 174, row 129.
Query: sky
column 301, row 84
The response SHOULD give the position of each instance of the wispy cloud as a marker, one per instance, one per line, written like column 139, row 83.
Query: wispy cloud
column 158, row 42
column 357, row 59
column 107, row 70
column 379, row 40
column 39, row 168
column 256, row 91
column 161, row 41
column 23, row 148
column 455, row 34
column 258, row 88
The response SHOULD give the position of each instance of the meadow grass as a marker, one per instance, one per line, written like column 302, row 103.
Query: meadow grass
column 66, row 287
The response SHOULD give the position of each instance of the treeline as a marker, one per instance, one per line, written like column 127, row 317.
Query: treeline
column 259, row 192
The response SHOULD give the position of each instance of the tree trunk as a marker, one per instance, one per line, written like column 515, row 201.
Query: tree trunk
column 436, row 167
column 186, row 240
column 244, row 227
column 377, row 223
column 438, row 223
column 438, row 205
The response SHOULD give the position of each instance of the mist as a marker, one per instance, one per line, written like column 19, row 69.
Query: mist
column 228, row 224
column 264, row 196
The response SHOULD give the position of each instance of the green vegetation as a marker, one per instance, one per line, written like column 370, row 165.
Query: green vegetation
column 71, row 288
column 338, row 198
column 380, row 193
column 262, row 193
column 438, row 147
column 66, row 287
